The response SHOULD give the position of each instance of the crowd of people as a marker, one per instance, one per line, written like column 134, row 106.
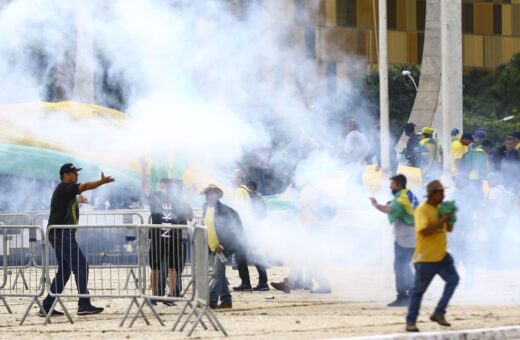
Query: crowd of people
column 420, row 229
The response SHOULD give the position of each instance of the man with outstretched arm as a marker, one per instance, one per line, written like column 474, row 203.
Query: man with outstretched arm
column 401, row 215
column 65, row 211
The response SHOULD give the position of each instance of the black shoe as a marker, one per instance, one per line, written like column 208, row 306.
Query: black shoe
column 262, row 287
column 411, row 327
column 169, row 303
column 243, row 288
column 399, row 302
column 440, row 320
column 89, row 310
column 283, row 286
column 43, row 313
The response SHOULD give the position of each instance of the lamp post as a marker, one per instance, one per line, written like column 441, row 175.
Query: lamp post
column 408, row 74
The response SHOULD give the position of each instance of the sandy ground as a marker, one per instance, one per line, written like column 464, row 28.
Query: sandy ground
column 357, row 307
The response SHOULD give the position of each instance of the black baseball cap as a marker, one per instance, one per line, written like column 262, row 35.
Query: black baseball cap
column 467, row 135
column 68, row 167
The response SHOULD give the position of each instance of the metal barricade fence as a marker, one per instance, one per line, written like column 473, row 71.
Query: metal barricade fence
column 16, row 242
column 154, row 243
column 165, row 249
column 103, row 257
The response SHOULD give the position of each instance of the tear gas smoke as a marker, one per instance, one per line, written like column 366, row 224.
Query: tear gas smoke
column 201, row 81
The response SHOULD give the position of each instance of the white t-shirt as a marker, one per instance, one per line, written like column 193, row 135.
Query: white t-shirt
column 356, row 147
column 404, row 235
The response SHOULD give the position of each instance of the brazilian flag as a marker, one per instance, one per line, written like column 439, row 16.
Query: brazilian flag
column 402, row 207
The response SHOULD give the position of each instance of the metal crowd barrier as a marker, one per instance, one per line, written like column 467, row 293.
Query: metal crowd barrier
column 154, row 243
column 17, row 241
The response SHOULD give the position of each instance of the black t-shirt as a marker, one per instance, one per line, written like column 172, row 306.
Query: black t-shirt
column 64, row 208
column 166, row 209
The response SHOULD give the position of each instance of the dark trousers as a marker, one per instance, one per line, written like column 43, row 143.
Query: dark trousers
column 243, row 270
column 70, row 257
column 424, row 274
column 403, row 270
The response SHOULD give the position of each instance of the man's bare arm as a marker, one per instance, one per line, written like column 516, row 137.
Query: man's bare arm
column 93, row 185
column 381, row 207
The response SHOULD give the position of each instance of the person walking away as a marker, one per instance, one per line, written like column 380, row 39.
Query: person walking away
column 410, row 151
column 454, row 134
column 475, row 165
column 167, row 208
column 401, row 215
column 356, row 149
column 431, row 155
column 510, row 165
column 431, row 257
column 65, row 211
column 225, row 235
column 244, row 205
column 458, row 148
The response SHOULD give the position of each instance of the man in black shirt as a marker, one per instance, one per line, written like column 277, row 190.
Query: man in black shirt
column 511, row 164
column 167, row 208
column 410, row 151
column 65, row 211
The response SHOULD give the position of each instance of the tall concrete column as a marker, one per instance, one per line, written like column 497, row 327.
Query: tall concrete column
column 84, row 72
column 427, row 108
column 383, row 90
column 451, row 47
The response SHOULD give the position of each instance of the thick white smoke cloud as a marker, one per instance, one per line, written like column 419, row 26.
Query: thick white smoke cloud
column 198, row 80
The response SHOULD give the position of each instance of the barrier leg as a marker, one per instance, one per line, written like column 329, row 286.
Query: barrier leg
column 187, row 287
column 19, row 273
column 65, row 310
column 181, row 314
column 28, row 309
column 49, row 313
column 188, row 318
column 131, row 274
column 209, row 313
column 140, row 311
column 6, row 305
column 134, row 301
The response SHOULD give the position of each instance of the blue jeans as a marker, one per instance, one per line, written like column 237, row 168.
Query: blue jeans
column 424, row 274
column 219, row 285
column 403, row 270
column 70, row 257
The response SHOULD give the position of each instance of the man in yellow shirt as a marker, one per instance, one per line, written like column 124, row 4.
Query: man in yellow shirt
column 224, row 239
column 431, row 257
column 458, row 149
column 430, row 155
column 242, row 200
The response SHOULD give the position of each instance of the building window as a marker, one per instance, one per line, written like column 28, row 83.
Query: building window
column 346, row 13
column 497, row 19
column 391, row 13
column 467, row 17
column 421, row 15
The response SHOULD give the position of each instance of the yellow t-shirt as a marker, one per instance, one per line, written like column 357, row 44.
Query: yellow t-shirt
column 431, row 248
column 457, row 151
column 209, row 219
column 242, row 194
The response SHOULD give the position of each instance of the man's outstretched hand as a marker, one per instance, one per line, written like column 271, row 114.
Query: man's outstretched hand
column 106, row 179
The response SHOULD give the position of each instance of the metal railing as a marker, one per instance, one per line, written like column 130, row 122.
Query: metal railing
column 118, row 249
column 20, row 280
